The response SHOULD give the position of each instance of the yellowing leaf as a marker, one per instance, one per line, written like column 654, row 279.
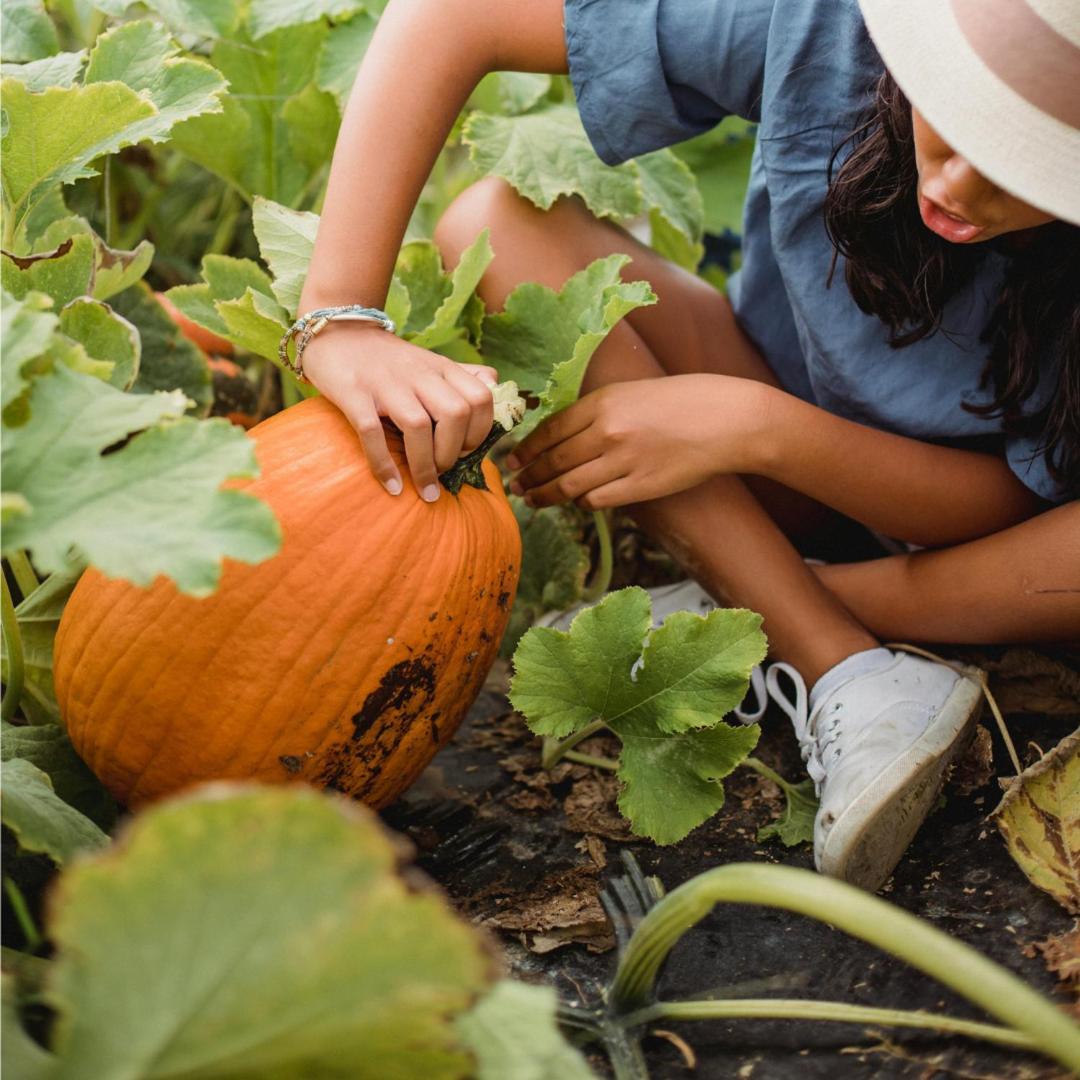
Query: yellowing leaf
column 1040, row 820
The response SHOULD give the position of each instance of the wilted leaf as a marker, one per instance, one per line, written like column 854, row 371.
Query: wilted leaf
column 1040, row 820
column 64, row 273
column 39, row 818
column 663, row 692
column 152, row 507
column 514, row 1035
column 254, row 932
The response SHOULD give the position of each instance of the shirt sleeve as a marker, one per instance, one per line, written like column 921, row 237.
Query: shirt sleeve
column 650, row 73
column 1028, row 462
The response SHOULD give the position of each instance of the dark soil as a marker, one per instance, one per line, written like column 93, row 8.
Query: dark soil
column 525, row 854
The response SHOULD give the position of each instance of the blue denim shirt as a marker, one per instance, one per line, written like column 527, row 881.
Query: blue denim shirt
column 649, row 73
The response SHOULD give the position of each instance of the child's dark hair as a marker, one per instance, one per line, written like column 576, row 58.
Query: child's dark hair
column 900, row 271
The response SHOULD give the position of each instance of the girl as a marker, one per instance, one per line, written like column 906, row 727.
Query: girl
column 901, row 346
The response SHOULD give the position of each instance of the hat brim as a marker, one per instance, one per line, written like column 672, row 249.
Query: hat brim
column 1025, row 151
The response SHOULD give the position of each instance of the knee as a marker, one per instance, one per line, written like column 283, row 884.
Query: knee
column 489, row 203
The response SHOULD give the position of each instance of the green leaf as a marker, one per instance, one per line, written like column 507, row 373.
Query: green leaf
column 48, row 748
column 345, row 47
column 41, row 821
column 546, row 155
column 286, row 240
column 26, row 327
column 268, row 15
column 514, row 1034
column 444, row 324
column 255, row 322
column 152, row 507
column 64, row 273
column 672, row 244
column 197, row 303
column 292, row 949
column 672, row 784
column 168, row 361
column 142, row 55
column 26, row 30
column 53, row 136
column 210, row 18
column 720, row 161
column 554, row 565
column 62, row 69
column 249, row 143
column 22, row 1057
column 668, row 187
column 657, row 690
column 105, row 336
column 312, row 120
column 544, row 340
column 796, row 824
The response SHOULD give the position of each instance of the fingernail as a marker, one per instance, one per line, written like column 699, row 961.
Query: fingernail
column 513, row 462
column 515, row 488
column 430, row 493
column 393, row 486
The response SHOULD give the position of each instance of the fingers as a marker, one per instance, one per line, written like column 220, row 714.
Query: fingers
column 562, row 458
column 477, row 393
column 364, row 417
column 482, row 372
column 451, row 413
column 414, row 422
column 576, row 484
column 552, row 431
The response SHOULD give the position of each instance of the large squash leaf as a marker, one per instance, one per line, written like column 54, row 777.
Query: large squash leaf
column 152, row 507
column 286, row 240
column 663, row 692
column 1040, row 820
column 61, row 69
column 27, row 31
column 257, row 932
column 269, row 15
column 345, row 47
column 41, row 821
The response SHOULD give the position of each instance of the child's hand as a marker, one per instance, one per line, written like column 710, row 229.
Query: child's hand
column 443, row 408
column 633, row 441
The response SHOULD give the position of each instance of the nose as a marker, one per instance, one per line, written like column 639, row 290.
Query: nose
column 965, row 185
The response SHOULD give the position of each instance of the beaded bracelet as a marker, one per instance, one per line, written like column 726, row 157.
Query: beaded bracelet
column 307, row 326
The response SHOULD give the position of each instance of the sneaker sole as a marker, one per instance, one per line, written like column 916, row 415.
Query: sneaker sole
column 870, row 836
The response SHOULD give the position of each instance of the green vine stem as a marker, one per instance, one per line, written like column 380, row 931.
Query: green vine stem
column 13, row 641
column 589, row 759
column 601, row 581
column 860, row 914
column 23, row 572
column 838, row 1011
column 21, row 910
column 555, row 750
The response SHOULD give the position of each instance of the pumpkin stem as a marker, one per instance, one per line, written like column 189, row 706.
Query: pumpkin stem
column 509, row 409
column 13, row 644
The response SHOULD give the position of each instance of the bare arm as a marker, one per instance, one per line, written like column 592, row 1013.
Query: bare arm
column 908, row 489
column 423, row 62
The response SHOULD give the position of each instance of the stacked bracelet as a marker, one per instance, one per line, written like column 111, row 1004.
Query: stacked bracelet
column 307, row 326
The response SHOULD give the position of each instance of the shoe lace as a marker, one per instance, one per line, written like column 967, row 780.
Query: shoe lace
column 761, row 696
column 817, row 752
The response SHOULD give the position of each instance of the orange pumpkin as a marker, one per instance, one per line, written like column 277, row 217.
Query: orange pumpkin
column 347, row 660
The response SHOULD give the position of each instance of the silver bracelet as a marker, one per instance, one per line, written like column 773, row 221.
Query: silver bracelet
column 307, row 326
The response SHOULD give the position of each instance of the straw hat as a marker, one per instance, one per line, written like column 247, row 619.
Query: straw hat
column 999, row 80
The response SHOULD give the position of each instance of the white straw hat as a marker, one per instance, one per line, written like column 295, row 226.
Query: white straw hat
column 999, row 81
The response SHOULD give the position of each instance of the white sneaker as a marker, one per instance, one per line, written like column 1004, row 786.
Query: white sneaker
column 666, row 600
column 877, row 747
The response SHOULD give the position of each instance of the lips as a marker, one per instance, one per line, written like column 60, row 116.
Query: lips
column 946, row 225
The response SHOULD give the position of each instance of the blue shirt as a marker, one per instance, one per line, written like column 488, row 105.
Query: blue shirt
column 650, row 73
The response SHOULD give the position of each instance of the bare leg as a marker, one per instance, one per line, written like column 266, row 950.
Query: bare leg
column 1020, row 584
column 720, row 530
